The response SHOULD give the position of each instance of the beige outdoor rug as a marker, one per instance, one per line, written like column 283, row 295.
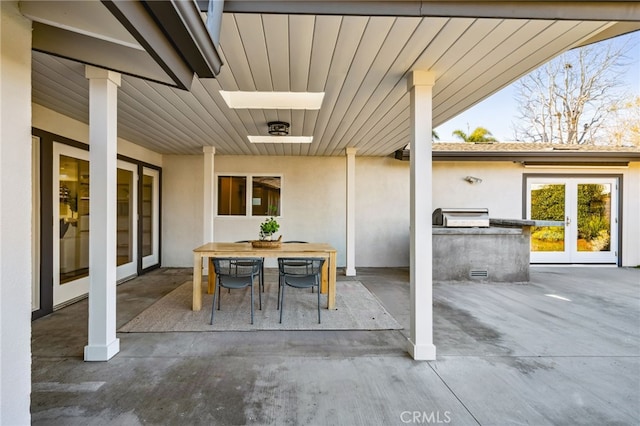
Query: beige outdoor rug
column 357, row 309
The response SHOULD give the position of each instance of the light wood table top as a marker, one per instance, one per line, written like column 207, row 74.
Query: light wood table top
column 216, row 249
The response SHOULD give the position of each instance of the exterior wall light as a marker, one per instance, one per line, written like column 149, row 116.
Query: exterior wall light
column 473, row 179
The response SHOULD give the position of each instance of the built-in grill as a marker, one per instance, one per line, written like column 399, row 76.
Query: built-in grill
column 461, row 217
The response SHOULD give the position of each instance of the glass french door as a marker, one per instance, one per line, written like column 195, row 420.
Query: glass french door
column 150, row 217
column 126, row 220
column 35, row 224
column 70, row 223
column 578, row 219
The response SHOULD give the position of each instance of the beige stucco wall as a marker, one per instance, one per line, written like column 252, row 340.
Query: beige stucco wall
column 59, row 124
column 314, row 202
column 313, row 205
column 382, row 212
column 501, row 190
column 182, row 207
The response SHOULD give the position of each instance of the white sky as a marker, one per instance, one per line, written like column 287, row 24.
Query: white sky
column 498, row 112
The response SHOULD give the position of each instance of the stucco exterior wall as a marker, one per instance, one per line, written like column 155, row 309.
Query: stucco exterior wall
column 501, row 191
column 382, row 212
column 15, row 215
column 314, row 202
column 59, row 124
column 313, row 205
column 313, row 198
column 182, row 206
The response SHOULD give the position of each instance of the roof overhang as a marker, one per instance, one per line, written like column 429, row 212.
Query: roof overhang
column 358, row 58
column 532, row 156
column 161, row 41
column 566, row 10
column 625, row 12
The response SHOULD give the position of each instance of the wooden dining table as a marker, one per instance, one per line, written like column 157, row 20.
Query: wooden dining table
column 211, row 250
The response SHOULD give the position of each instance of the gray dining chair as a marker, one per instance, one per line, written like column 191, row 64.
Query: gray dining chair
column 236, row 273
column 299, row 272
column 261, row 267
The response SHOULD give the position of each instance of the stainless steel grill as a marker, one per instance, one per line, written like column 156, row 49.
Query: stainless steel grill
column 461, row 217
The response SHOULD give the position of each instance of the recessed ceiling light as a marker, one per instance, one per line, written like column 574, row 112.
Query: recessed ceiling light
column 280, row 139
column 273, row 100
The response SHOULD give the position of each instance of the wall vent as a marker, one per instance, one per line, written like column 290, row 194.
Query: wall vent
column 479, row 273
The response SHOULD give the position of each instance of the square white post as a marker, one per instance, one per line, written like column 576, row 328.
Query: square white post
column 351, row 211
column 421, row 347
column 209, row 185
column 103, row 144
column 15, row 215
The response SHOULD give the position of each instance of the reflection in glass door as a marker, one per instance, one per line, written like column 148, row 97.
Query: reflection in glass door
column 150, row 218
column 594, row 217
column 126, row 220
column 547, row 205
column 578, row 220
column 71, row 223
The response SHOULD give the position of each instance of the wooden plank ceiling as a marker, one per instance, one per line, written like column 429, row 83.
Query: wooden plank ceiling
column 359, row 62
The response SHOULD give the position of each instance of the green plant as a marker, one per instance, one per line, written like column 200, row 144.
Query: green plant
column 548, row 233
column 270, row 225
column 593, row 228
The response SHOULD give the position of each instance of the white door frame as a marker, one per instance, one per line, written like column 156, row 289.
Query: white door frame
column 130, row 269
column 154, row 258
column 35, row 224
column 63, row 293
column 571, row 253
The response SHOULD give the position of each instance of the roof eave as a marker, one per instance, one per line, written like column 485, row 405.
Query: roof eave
column 174, row 34
column 546, row 157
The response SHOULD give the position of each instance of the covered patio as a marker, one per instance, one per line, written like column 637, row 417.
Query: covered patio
column 564, row 349
column 105, row 82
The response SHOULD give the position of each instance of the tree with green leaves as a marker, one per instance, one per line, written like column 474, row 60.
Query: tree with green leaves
column 479, row 135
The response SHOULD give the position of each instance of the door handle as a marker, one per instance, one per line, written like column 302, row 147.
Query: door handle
column 568, row 221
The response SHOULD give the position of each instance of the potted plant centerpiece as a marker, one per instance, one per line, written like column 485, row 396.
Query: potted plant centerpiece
column 267, row 228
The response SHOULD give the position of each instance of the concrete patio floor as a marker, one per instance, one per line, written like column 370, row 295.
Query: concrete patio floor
column 564, row 349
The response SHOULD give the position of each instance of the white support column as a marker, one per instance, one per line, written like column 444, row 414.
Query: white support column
column 421, row 347
column 15, row 215
column 351, row 211
column 103, row 133
column 209, row 185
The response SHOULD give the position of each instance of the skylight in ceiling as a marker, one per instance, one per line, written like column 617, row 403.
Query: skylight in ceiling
column 280, row 139
column 273, row 100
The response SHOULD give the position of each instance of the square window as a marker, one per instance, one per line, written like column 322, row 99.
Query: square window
column 266, row 196
column 232, row 195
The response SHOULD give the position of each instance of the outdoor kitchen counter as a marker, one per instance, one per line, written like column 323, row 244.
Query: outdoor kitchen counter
column 498, row 253
column 511, row 223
